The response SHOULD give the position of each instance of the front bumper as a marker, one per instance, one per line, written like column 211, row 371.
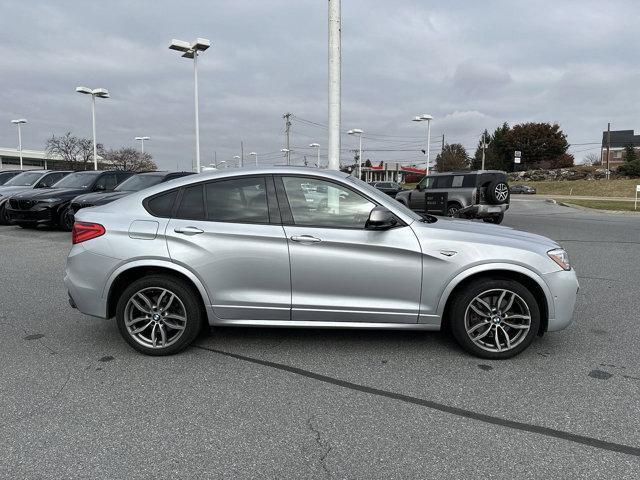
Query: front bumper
column 563, row 286
column 35, row 216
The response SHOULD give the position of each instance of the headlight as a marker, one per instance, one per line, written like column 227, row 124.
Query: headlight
column 50, row 200
column 561, row 257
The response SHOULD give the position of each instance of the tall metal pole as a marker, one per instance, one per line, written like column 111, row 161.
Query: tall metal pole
column 608, row 146
column 20, row 144
column 334, row 84
column 428, row 145
column 360, row 158
column 484, row 146
column 93, row 118
column 195, row 78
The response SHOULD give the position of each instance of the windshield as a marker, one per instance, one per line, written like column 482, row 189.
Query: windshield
column 82, row 180
column 139, row 182
column 375, row 193
column 25, row 179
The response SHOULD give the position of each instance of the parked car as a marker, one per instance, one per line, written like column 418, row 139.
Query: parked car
column 51, row 206
column 524, row 189
column 6, row 175
column 24, row 182
column 478, row 194
column 133, row 184
column 390, row 188
column 245, row 248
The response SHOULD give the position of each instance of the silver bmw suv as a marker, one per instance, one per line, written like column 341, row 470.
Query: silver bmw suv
column 296, row 247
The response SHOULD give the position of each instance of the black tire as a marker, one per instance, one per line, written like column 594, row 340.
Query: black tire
column 4, row 215
column 452, row 208
column 497, row 192
column 187, row 298
column 495, row 219
column 66, row 219
column 461, row 303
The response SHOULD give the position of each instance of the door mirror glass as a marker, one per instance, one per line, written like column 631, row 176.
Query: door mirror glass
column 381, row 218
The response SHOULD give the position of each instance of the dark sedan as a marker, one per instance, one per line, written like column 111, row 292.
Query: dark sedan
column 133, row 184
column 51, row 205
column 390, row 188
column 524, row 189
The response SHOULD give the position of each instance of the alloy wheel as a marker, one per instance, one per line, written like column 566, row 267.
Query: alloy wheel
column 155, row 317
column 497, row 320
column 502, row 192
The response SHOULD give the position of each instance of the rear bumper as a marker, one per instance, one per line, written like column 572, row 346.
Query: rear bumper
column 482, row 210
column 85, row 278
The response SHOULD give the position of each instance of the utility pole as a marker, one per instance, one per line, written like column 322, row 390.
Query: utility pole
column 287, row 130
column 241, row 153
column 335, row 33
column 608, row 146
column 442, row 153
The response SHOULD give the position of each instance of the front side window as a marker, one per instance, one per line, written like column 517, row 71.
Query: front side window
column 427, row 182
column 240, row 200
column 106, row 182
column 316, row 202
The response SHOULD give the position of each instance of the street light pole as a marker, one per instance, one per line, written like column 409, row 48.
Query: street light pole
column 359, row 132
column 19, row 122
column 335, row 60
column 100, row 93
column 190, row 50
column 317, row 146
column 426, row 118
column 142, row 139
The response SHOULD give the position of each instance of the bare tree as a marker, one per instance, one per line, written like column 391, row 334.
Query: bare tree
column 77, row 152
column 130, row 159
column 592, row 158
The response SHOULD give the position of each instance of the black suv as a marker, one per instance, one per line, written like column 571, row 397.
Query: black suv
column 477, row 194
column 133, row 184
column 50, row 206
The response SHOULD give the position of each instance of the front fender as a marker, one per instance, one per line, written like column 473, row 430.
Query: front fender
column 494, row 267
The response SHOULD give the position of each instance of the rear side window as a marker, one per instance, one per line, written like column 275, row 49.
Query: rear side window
column 242, row 200
column 162, row 205
column 457, row 181
column 192, row 203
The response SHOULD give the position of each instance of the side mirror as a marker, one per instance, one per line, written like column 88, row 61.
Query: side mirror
column 381, row 218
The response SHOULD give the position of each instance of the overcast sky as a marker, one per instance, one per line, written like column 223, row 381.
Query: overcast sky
column 472, row 65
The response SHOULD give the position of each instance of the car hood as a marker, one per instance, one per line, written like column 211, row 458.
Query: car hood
column 467, row 230
column 41, row 194
column 12, row 190
column 99, row 198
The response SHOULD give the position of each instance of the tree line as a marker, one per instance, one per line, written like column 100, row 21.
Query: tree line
column 542, row 145
column 77, row 154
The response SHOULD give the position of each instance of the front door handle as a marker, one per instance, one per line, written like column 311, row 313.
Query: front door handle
column 188, row 230
column 305, row 239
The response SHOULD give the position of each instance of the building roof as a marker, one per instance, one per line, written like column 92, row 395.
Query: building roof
column 621, row 138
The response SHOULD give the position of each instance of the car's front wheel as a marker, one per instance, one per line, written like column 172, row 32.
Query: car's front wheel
column 495, row 319
column 66, row 219
column 159, row 315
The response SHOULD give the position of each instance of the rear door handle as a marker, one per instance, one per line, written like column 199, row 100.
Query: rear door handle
column 188, row 230
column 305, row 239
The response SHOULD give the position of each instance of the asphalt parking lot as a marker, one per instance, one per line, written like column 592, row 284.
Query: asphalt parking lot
column 77, row 402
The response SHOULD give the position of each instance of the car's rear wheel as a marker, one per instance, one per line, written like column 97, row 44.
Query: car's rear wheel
column 159, row 315
column 452, row 208
column 495, row 319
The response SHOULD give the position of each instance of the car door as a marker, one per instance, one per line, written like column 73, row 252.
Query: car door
column 229, row 233
column 417, row 196
column 340, row 271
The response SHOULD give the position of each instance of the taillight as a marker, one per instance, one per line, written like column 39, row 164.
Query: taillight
column 83, row 231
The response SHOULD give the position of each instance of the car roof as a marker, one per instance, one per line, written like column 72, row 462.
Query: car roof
column 466, row 172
